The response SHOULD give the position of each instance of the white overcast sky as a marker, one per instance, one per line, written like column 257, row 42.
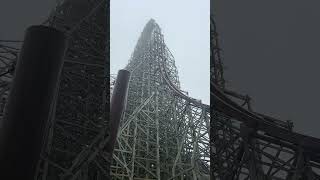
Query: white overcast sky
column 185, row 25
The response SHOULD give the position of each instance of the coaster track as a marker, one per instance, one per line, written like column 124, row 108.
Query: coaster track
column 247, row 145
column 164, row 133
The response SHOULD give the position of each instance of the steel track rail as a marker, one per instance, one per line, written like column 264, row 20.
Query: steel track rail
column 177, row 91
column 283, row 136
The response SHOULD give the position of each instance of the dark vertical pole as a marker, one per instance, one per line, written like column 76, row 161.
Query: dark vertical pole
column 27, row 111
column 117, row 106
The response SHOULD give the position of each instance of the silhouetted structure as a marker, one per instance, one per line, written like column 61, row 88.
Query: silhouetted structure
column 76, row 134
column 31, row 96
column 248, row 145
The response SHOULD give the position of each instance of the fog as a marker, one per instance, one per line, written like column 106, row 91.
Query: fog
column 185, row 26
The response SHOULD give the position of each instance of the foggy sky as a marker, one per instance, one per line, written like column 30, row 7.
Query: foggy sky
column 185, row 26
column 272, row 52
column 17, row 15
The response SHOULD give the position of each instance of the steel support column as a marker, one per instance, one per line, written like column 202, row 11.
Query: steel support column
column 30, row 101
column 117, row 106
